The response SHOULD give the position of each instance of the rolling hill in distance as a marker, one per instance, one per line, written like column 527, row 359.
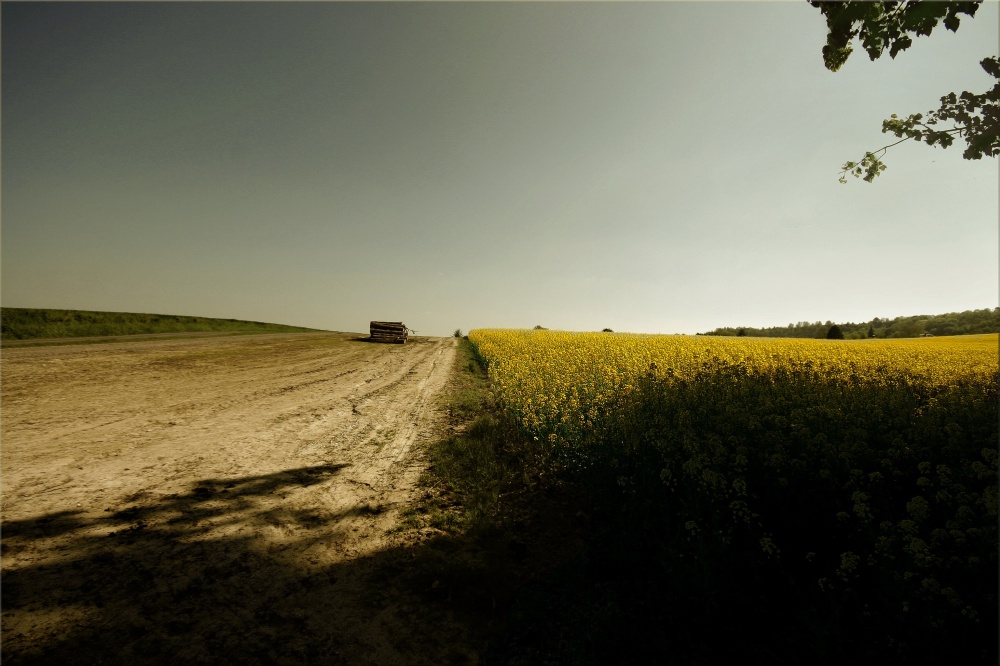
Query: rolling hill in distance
column 36, row 323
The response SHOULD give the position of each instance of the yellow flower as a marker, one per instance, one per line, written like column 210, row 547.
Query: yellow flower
column 556, row 381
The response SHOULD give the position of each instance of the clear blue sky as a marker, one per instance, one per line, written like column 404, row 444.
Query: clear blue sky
column 650, row 167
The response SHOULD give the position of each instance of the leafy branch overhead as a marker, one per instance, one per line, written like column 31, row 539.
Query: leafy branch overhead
column 889, row 25
column 976, row 118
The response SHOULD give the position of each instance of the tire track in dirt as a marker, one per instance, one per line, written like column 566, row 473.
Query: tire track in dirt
column 380, row 477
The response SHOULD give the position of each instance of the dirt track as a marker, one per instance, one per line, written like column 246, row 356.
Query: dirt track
column 215, row 500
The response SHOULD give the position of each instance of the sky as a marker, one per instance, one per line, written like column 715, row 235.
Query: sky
column 665, row 167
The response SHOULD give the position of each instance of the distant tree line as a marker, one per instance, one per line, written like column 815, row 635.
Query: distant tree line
column 953, row 323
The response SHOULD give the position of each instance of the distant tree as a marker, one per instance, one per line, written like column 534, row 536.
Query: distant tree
column 606, row 330
column 834, row 333
column 881, row 25
column 908, row 327
column 871, row 331
column 539, row 327
column 457, row 333
column 942, row 327
column 742, row 332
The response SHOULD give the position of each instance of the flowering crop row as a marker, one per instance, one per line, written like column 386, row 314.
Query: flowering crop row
column 558, row 383
column 849, row 482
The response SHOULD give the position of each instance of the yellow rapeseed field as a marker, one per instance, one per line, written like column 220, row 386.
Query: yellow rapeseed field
column 556, row 383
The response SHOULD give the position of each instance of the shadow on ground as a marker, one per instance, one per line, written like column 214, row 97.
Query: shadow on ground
column 148, row 584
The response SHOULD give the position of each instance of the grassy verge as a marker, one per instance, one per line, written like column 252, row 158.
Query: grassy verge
column 33, row 323
column 483, row 460
column 477, row 469
column 505, row 524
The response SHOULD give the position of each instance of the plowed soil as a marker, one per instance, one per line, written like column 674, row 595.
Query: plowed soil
column 218, row 500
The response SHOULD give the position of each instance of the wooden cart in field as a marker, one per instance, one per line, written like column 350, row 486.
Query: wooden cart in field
column 389, row 331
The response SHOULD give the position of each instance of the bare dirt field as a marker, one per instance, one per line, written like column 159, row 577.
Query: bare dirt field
column 219, row 500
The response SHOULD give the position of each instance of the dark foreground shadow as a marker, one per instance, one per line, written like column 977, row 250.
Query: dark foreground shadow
column 148, row 585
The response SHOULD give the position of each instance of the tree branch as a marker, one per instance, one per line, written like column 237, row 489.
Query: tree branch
column 871, row 165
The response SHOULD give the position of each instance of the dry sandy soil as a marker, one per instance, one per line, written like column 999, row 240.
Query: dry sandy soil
column 219, row 500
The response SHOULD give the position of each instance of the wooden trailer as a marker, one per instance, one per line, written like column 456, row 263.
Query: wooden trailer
column 389, row 331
